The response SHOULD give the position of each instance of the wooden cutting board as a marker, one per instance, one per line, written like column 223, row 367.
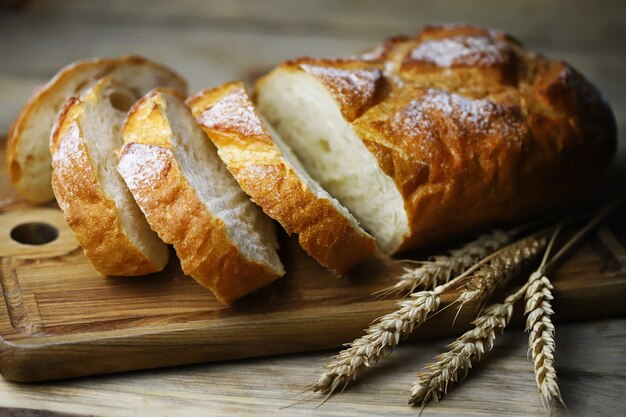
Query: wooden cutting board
column 60, row 319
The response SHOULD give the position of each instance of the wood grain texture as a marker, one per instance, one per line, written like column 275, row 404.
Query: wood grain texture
column 218, row 41
column 591, row 365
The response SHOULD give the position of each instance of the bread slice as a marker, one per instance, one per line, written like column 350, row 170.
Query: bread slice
column 95, row 201
column 191, row 200
column 28, row 158
column 429, row 138
column 267, row 171
column 309, row 118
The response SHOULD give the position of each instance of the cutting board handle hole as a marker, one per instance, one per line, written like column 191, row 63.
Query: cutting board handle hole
column 35, row 233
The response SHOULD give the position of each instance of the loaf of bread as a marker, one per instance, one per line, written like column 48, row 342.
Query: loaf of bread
column 272, row 176
column 190, row 199
column 28, row 157
column 95, row 201
column 424, row 139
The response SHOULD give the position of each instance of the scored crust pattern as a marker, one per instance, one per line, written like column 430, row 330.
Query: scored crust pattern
column 473, row 128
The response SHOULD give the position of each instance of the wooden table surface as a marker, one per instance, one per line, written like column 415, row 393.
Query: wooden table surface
column 216, row 41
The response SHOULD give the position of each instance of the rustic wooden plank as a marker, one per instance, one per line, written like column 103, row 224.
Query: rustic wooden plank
column 590, row 361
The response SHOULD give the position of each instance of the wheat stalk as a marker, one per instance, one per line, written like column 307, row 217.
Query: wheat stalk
column 440, row 269
column 433, row 383
column 538, row 296
column 537, row 291
column 384, row 334
column 480, row 280
column 541, row 344
column 378, row 342
column 498, row 268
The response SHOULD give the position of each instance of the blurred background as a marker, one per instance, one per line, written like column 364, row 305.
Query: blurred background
column 210, row 42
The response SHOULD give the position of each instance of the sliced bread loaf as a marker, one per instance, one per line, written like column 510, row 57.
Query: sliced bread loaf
column 95, row 201
column 269, row 172
column 28, row 158
column 191, row 200
column 425, row 139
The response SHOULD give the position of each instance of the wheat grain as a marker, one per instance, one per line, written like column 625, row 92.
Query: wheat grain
column 440, row 269
column 500, row 267
column 541, row 343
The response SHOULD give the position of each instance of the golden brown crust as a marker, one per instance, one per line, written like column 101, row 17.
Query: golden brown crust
column 175, row 212
column 476, row 130
column 18, row 164
column 92, row 216
column 228, row 117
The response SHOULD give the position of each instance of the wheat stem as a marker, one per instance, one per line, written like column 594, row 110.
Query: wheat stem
column 601, row 215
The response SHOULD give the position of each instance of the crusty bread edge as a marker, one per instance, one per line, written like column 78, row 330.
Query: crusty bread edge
column 91, row 215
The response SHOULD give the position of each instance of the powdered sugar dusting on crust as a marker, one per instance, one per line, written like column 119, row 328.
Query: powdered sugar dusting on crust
column 141, row 166
column 66, row 160
column 69, row 145
column 481, row 51
column 422, row 118
column 235, row 113
column 352, row 88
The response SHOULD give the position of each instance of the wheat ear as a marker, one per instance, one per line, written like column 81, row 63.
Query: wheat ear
column 541, row 344
column 440, row 269
column 378, row 342
column 538, row 295
column 495, row 270
column 433, row 383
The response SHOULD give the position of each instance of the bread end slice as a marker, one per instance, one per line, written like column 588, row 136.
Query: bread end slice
column 189, row 198
column 272, row 176
column 95, row 201
column 28, row 158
